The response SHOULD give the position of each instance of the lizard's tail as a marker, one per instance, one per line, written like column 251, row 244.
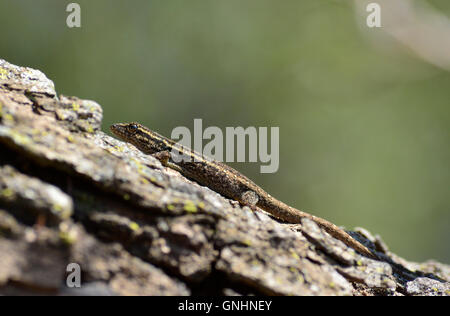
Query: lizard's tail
column 343, row 236
column 294, row 216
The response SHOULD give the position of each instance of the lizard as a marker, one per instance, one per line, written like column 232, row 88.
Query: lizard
column 223, row 179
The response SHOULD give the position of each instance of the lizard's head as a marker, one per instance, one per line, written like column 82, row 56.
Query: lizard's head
column 125, row 130
column 144, row 139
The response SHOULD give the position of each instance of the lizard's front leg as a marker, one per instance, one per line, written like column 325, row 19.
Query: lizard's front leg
column 164, row 158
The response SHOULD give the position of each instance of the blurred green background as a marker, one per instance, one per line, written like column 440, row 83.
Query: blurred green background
column 364, row 130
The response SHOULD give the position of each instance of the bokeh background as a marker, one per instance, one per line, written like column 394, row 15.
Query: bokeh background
column 364, row 121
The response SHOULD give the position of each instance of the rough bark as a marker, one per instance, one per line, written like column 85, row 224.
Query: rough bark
column 69, row 193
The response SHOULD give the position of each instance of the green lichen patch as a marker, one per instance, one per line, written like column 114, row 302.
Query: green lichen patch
column 31, row 198
column 19, row 138
column 89, row 128
column 63, row 212
column 295, row 255
column 247, row 242
column 75, row 107
column 8, row 225
column 67, row 238
column 134, row 226
column 70, row 139
column 7, row 117
column 3, row 74
column 190, row 207
column 4, row 116
column 201, row 205
column 119, row 148
column 292, row 269
column 7, row 193
column 138, row 166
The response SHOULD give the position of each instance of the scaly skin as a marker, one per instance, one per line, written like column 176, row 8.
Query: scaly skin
column 223, row 179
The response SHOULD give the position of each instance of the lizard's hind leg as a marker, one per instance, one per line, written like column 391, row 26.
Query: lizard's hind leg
column 250, row 198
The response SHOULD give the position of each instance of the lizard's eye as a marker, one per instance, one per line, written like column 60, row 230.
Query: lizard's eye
column 133, row 127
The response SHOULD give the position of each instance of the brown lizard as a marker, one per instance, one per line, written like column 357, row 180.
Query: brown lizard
column 223, row 179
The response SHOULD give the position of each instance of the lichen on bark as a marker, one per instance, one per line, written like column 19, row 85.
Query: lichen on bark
column 71, row 193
